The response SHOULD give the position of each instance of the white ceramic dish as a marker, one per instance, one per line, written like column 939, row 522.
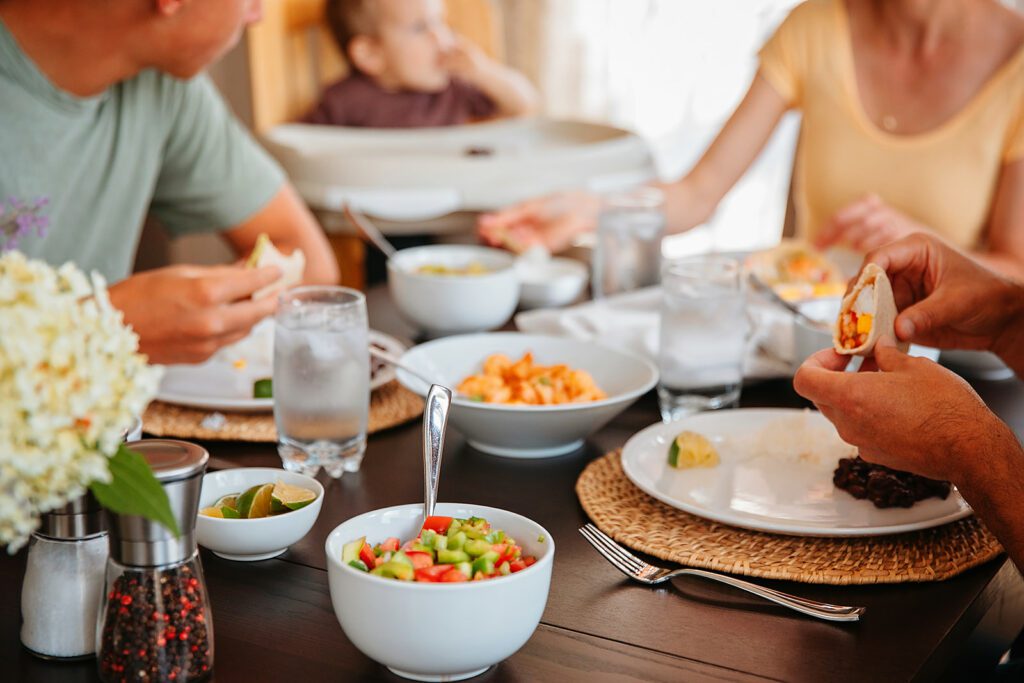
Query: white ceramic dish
column 218, row 385
column 529, row 431
column 427, row 631
column 550, row 283
column 248, row 540
column 763, row 493
column 807, row 340
column 976, row 365
column 454, row 304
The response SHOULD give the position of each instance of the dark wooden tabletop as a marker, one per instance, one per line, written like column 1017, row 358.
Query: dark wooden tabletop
column 274, row 620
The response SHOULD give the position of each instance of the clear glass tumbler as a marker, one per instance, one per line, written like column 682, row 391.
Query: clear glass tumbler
column 321, row 379
column 703, row 337
column 627, row 255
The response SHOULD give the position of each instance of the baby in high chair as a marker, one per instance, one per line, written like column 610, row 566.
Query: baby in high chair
column 409, row 69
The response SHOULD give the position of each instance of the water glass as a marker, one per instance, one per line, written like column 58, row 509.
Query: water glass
column 703, row 335
column 627, row 255
column 321, row 379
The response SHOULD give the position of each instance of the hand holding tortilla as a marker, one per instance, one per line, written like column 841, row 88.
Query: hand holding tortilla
column 266, row 254
column 867, row 313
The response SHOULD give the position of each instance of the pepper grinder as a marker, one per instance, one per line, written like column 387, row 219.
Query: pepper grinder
column 155, row 623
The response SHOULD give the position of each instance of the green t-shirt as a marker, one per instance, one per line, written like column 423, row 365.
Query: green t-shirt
column 151, row 143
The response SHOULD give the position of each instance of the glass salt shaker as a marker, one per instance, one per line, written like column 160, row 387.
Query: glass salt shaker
column 627, row 255
column 155, row 622
column 60, row 595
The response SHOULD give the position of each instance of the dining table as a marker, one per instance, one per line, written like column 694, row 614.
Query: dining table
column 273, row 620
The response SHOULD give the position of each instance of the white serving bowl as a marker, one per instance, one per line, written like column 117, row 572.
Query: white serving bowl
column 433, row 631
column 248, row 540
column 808, row 340
column 529, row 431
column 551, row 283
column 454, row 304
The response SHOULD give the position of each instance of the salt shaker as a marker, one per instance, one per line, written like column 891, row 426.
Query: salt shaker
column 60, row 596
column 155, row 621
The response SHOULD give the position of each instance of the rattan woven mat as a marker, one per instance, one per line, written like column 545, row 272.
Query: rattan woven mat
column 390, row 405
column 643, row 523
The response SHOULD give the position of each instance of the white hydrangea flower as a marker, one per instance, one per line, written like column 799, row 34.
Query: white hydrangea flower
column 71, row 382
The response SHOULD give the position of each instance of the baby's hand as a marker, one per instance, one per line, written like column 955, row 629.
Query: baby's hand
column 466, row 60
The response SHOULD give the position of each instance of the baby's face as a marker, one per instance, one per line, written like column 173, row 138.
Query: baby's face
column 414, row 38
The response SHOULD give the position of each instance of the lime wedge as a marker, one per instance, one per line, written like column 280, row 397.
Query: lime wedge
column 261, row 502
column 244, row 501
column 230, row 501
column 286, row 497
column 212, row 512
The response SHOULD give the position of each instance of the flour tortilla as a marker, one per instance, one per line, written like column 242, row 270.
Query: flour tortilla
column 884, row 313
column 292, row 266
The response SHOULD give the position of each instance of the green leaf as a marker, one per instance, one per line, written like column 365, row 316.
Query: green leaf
column 133, row 490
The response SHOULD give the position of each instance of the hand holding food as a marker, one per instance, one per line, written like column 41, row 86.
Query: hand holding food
column 184, row 314
column 867, row 313
column 523, row 383
column 266, row 254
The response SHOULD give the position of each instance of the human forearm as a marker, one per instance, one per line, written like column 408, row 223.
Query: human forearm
column 1009, row 345
column 511, row 92
column 992, row 481
column 1005, row 264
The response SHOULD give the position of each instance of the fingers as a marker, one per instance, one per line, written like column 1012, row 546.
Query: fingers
column 239, row 318
column 226, row 284
column 838, row 227
column 821, row 378
column 887, row 356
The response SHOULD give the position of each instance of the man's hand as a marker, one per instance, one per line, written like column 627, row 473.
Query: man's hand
column 183, row 314
column 912, row 414
column 866, row 224
column 948, row 300
column 552, row 221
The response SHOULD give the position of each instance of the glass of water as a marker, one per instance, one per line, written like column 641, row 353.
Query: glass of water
column 627, row 255
column 321, row 379
column 703, row 336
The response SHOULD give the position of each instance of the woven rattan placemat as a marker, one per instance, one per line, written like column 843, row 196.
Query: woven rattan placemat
column 633, row 518
column 390, row 405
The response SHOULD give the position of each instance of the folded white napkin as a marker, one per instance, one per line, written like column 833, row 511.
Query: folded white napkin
column 630, row 321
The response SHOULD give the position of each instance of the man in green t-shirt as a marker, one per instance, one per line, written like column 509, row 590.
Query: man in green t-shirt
column 102, row 113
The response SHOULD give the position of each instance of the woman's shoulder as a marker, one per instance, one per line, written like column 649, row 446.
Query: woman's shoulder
column 814, row 15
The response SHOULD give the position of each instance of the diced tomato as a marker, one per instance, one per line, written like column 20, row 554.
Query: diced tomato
column 499, row 548
column 367, row 556
column 453, row 575
column 408, row 545
column 420, row 559
column 438, row 524
column 390, row 544
column 529, row 560
column 380, row 561
column 434, row 573
column 516, row 566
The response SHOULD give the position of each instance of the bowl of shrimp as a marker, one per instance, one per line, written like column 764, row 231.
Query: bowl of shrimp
column 528, row 396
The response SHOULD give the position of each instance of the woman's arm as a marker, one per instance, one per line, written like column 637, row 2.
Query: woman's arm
column 1005, row 252
column 690, row 201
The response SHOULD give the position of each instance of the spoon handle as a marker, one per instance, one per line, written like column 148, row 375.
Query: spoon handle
column 369, row 231
column 435, row 419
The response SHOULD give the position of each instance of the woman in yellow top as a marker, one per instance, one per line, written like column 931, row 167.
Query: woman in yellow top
column 913, row 119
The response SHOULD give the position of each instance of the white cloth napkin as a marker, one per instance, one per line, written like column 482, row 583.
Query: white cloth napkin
column 630, row 321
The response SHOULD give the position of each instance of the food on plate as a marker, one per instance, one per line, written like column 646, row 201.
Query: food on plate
column 262, row 500
column 473, row 268
column 885, row 487
column 690, row 449
column 866, row 313
column 266, row 254
column 447, row 550
column 263, row 388
column 797, row 439
column 797, row 270
column 523, row 383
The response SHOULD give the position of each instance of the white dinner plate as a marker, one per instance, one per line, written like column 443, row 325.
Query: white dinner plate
column 218, row 384
column 765, row 492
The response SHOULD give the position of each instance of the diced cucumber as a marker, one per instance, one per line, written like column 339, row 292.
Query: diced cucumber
column 451, row 556
column 441, row 543
column 491, row 555
column 400, row 558
column 457, row 541
column 484, row 565
column 428, row 537
column 466, row 568
column 476, row 548
column 504, row 569
column 472, row 533
column 395, row 570
column 350, row 551
column 495, row 537
column 360, row 565
column 421, row 547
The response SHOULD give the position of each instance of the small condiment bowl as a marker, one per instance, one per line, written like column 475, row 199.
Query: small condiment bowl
column 248, row 540
column 434, row 631
column 550, row 283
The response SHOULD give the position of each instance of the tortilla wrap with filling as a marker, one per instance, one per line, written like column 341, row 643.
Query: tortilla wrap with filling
column 266, row 254
column 873, row 306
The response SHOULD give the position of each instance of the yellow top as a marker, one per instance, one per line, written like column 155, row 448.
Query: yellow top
column 944, row 178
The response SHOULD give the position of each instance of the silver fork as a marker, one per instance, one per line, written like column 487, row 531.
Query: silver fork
column 638, row 570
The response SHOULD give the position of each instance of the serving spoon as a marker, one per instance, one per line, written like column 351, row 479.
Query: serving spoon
column 435, row 419
column 369, row 231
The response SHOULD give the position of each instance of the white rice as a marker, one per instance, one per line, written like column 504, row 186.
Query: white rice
column 796, row 439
